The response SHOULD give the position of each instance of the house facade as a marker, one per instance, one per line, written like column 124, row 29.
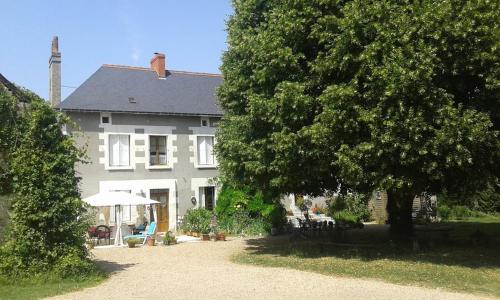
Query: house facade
column 147, row 131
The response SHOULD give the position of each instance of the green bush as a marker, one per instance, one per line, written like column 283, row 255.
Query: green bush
column 73, row 266
column 345, row 217
column 197, row 220
column 444, row 212
column 457, row 212
column 242, row 223
column 356, row 204
column 236, row 209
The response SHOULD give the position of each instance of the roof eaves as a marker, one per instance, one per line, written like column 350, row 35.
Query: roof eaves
column 140, row 112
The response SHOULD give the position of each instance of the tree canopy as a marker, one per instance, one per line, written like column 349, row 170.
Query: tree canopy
column 364, row 95
column 46, row 230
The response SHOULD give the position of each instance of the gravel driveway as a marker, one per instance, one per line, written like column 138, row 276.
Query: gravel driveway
column 202, row 270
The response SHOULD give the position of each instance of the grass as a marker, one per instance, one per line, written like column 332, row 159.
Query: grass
column 456, row 265
column 37, row 288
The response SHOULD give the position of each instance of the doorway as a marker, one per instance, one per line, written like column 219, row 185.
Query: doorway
column 161, row 208
column 208, row 197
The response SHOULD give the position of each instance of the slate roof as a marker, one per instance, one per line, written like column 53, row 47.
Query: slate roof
column 179, row 93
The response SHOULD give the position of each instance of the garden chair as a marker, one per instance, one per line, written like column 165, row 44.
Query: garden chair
column 149, row 234
column 103, row 232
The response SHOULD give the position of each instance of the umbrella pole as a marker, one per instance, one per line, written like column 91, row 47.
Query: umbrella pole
column 118, row 222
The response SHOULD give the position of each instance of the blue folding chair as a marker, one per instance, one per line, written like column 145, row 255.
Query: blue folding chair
column 144, row 236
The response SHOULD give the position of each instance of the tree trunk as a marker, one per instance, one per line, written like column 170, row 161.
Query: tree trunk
column 399, row 208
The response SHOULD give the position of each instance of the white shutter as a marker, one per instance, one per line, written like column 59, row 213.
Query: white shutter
column 124, row 150
column 114, row 150
column 210, row 149
column 202, row 150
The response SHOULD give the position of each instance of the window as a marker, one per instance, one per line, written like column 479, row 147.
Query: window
column 119, row 150
column 205, row 122
column 205, row 150
column 157, row 150
column 105, row 118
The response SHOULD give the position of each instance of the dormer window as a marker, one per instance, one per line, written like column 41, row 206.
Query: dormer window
column 131, row 100
column 105, row 120
column 205, row 122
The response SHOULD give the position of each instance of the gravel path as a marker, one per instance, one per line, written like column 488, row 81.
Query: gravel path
column 202, row 270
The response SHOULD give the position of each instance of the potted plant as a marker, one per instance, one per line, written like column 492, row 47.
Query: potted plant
column 89, row 242
column 169, row 239
column 205, row 234
column 221, row 236
column 150, row 241
column 132, row 242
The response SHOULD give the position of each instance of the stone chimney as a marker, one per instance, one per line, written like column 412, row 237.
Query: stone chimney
column 55, row 74
column 158, row 64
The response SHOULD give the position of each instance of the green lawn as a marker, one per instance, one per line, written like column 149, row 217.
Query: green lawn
column 455, row 265
column 42, row 287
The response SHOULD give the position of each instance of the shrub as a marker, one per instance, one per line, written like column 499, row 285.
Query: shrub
column 444, row 212
column 346, row 217
column 356, row 204
column 197, row 220
column 236, row 208
column 72, row 266
column 242, row 223
column 457, row 212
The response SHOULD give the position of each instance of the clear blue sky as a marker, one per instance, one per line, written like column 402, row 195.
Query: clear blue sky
column 95, row 32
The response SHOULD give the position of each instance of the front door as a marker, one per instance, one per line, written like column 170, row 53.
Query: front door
column 209, row 197
column 161, row 209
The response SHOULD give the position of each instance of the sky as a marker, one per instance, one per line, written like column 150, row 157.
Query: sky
column 191, row 33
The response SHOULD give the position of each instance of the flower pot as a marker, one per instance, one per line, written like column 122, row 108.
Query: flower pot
column 205, row 237
column 189, row 233
column 221, row 237
column 195, row 234
column 151, row 242
column 131, row 245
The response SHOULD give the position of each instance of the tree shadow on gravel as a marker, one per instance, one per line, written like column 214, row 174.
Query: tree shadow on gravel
column 112, row 267
column 374, row 243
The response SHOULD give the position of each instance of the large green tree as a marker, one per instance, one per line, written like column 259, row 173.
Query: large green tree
column 394, row 95
column 46, row 231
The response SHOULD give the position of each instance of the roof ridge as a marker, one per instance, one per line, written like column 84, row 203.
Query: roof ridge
column 127, row 67
column 195, row 73
column 171, row 71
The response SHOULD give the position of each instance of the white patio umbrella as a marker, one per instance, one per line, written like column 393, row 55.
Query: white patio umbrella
column 118, row 199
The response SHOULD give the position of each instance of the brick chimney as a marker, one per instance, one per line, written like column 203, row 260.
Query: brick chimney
column 158, row 64
column 55, row 74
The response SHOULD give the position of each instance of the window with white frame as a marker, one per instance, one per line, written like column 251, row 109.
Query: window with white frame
column 206, row 150
column 157, row 150
column 119, row 150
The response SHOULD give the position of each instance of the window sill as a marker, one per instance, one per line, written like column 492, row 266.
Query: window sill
column 206, row 166
column 161, row 167
column 111, row 168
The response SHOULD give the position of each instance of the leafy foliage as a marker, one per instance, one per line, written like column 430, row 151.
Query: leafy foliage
column 355, row 204
column 364, row 95
column 197, row 220
column 232, row 201
column 45, row 232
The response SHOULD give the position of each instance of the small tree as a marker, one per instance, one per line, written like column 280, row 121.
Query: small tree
column 45, row 229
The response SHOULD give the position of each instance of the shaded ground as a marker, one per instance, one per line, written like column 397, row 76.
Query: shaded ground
column 464, row 260
column 203, row 271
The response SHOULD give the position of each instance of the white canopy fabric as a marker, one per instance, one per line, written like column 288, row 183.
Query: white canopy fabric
column 118, row 199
